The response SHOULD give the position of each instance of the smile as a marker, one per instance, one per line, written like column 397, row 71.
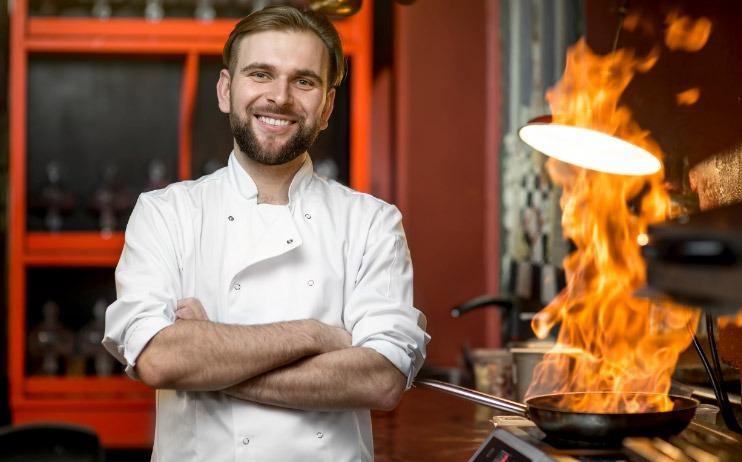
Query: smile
column 275, row 122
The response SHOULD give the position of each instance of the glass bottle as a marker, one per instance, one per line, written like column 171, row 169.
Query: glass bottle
column 50, row 344
column 89, row 341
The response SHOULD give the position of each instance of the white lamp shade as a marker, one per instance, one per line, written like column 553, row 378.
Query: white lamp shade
column 589, row 149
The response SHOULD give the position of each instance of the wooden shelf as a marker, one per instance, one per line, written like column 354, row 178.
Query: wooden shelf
column 73, row 249
column 119, row 35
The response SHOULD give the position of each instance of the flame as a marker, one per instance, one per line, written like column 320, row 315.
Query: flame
column 683, row 33
column 688, row 97
column 735, row 319
column 608, row 339
column 635, row 22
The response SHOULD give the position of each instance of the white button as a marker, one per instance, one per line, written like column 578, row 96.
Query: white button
column 310, row 282
column 289, row 241
column 230, row 218
column 320, row 435
column 245, row 441
column 237, row 286
column 308, row 216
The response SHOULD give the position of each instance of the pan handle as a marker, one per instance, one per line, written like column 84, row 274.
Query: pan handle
column 501, row 404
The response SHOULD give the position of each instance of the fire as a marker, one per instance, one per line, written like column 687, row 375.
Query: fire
column 735, row 319
column 688, row 97
column 683, row 33
column 608, row 340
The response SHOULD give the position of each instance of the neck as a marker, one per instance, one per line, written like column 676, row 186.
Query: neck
column 272, row 181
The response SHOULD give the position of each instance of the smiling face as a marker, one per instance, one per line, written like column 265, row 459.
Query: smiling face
column 277, row 96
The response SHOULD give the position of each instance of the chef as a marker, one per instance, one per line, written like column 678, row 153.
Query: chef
column 269, row 307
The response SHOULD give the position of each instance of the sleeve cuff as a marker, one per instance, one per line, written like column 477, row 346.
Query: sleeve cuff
column 138, row 338
column 396, row 356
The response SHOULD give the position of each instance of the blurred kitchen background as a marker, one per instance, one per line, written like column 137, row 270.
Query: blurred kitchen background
column 104, row 99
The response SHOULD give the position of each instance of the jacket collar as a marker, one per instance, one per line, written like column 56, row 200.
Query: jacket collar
column 246, row 187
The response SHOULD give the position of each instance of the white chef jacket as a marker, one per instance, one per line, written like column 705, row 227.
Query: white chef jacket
column 331, row 254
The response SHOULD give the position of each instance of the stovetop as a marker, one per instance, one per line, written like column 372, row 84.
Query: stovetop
column 516, row 439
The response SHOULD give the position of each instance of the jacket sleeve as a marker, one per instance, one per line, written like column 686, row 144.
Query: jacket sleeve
column 147, row 283
column 379, row 312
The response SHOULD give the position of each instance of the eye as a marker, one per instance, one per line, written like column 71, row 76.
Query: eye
column 305, row 83
column 260, row 75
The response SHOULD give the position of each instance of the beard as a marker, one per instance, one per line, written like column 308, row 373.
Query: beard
column 248, row 142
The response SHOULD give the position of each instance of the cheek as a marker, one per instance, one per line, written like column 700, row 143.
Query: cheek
column 318, row 108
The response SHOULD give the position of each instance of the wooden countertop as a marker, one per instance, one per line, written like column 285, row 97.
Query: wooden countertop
column 428, row 425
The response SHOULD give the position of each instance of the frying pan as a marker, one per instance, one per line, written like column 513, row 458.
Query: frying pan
column 590, row 427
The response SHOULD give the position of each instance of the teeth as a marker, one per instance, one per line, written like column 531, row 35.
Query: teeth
column 271, row 121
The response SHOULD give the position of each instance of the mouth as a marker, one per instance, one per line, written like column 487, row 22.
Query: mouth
column 273, row 121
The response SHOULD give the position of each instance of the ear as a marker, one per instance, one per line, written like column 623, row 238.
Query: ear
column 223, row 91
column 327, row 110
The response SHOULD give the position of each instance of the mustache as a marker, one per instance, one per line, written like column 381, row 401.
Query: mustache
column 275, row 109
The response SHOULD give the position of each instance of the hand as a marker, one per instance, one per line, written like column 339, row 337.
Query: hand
column 190, row 309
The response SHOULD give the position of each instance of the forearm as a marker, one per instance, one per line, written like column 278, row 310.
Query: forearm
column 203, row 355
column 351, row 378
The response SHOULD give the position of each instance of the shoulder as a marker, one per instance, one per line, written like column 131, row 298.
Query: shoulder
column 363, row 213
column 346, row 198
column 183, row 195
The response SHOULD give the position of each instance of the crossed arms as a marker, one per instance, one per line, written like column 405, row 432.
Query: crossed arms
column 302, row 364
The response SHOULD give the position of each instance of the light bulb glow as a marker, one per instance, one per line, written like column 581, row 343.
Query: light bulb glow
column 589, row 149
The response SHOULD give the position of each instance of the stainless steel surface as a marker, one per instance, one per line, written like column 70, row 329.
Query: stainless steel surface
column 500, row 404
column 526, row 356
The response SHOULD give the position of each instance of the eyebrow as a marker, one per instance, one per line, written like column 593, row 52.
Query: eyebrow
column 272, row 68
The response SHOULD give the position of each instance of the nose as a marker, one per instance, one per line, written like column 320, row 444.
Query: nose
column 280, row 92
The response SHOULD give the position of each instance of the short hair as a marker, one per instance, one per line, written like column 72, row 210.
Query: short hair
column 288, row 18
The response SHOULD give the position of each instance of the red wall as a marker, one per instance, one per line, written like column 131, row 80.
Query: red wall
column 446, row 177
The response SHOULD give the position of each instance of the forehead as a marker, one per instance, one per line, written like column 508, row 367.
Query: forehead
column 288, row 50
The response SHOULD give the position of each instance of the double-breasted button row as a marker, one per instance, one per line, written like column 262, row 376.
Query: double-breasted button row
column 307, row 215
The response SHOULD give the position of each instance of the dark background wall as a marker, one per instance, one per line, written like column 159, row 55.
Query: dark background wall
column 441, row 129
column 4, row 33
column 712, row 125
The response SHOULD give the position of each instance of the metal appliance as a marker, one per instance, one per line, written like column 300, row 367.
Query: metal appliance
column 697, row 260
column 516, row 439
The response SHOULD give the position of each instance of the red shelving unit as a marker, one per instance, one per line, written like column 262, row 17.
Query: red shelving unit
column 119, row 409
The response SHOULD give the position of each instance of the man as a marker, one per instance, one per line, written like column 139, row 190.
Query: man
column 269, row 307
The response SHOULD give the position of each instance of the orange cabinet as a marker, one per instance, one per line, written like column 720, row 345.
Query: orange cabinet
column 121, row 97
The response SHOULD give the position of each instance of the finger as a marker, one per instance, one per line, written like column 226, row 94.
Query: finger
column 185, row 313
column 191, row 312
column 202, row 312
column 193, row 303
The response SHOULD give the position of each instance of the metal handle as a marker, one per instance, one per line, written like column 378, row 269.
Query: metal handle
column 501, row 404
column 505, row 304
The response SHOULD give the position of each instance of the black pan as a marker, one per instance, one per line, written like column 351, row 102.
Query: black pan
column 589, row 427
